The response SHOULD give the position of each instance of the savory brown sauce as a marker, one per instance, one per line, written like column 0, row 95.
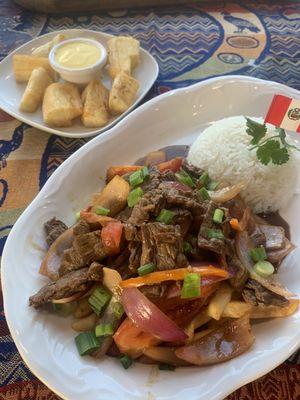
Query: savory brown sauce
column 275, row 218
column 169, row 152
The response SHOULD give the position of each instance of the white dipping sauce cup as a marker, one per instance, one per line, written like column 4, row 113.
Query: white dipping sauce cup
column 79, row 75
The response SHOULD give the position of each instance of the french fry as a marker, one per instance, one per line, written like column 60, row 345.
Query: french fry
column 236, row 309
column 122, row 93
column 83, row 308
column 201, row 319
column 95, row 109
column 85, row 324
column 61, row 104
column 24, row 64
column 44, row 49
column 123, row 55
column 33, row 96
column 219, row 301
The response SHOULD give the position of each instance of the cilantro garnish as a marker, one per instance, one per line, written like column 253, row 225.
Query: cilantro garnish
column 272, row 149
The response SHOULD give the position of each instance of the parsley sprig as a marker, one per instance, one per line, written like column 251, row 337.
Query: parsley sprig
column 271, row 149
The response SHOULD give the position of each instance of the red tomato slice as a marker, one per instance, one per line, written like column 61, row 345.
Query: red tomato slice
column 174, row 165
column 111, row 237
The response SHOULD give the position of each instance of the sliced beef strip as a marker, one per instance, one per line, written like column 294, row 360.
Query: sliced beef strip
column 124, row 215
column 66, row 286
column 151, row 204
column 193, row 171
column 256, row 294
column 162, row 244
column 155, row 178
column 53, row 229
column 184, row 199
column 204, row 242
column 240, row 273
column 183, row 218
column 81, row 227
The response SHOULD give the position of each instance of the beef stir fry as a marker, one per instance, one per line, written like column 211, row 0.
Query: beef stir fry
column 165, row 266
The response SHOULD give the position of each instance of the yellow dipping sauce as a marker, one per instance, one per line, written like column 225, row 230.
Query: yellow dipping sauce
column 77, row 55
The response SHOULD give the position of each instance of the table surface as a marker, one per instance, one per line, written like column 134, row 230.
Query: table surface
column 190, row 43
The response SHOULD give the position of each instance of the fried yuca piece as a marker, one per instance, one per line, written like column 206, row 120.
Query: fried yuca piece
column 61, row 104
column 24, row 64
column 123, row 55
column 122, row 93
column 44, row 49
column 95, row 105
column 33, row 96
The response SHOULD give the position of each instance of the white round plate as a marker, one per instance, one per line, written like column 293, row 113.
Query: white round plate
column 11, row 92
column 46, row 342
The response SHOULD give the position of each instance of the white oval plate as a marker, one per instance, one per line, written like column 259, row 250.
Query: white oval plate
column 11, row 92
column 46, row 342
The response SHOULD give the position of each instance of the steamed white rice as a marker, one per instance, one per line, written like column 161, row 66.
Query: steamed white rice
column 223, row 150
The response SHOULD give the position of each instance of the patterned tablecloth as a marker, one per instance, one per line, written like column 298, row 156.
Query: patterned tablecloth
column 191, row 43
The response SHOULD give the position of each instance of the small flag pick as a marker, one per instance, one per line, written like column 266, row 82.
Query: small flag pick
column 284, row 112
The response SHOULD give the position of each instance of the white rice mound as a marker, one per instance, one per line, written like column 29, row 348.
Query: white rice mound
column 223, row 150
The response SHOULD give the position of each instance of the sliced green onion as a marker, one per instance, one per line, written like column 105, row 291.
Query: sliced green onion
column 204, row 179
column 191, row 286
column 258, row 254
column 102, row 210
column 185, row 178
column 126, row 361
column 204, row 194
column 166, row 367
column 215, row 234
column 145, row 172
column 213, row 185
column 187, row 248
column 104, row 330
column 218, row 216
column 99, row 300
column 146, row 269
column 136, row 178
column 86, row 342
column 134, row 196
column 165, row 216
column 264, row 268
column 77, row 216
column 118, row 310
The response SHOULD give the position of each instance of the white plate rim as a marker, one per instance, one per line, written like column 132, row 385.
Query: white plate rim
column 96, row 131
column 102, row 138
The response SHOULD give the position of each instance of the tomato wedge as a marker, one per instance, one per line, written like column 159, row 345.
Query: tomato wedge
column 174, row 165
column 111, row 237
column 174, row 275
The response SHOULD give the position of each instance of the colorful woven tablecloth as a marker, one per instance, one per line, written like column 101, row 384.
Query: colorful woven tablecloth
column 190, row 43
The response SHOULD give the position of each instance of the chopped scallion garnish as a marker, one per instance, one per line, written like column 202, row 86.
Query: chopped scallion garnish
column 215, row 234
column 213, row 185
column 165, row 216
column 204, row 194
column 99, row 300
column 126, row 361
column 264, row 268
column 104, row 330
column 118, row 310
column 185, row 178
column 218, row 216
column 204, row 179
column 77, row 216
column 187, row 248
column 86, row 342
column 191, row 286
column 138, row 177
column 258, row 254
column 134, row 196
column 166, row 367
column 145, row 172
column 102, row 210
column 146, row 269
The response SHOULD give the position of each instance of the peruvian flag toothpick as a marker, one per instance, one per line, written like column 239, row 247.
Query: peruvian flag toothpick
column 284, row 112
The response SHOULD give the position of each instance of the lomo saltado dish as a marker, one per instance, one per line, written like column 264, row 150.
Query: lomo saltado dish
column 166, row 265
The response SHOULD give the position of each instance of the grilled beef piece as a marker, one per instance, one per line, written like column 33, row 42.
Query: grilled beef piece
column 124, row 215
column 183, row 218
column 81, row 227
column 204, row 241
column 162, row 245
column 74, row 282
column 240, row 273
column 184, row 199
column 193, row 171
column 150, row 204
column 256, row 294
column 154, row 292
column 54, row 228
column 155, row 178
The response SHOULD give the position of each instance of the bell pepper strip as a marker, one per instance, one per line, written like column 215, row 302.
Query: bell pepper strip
column 132, row 340
column 121, row 170
column 173, row 165
column 174, row 275
column 111, row 236
column 93, row 218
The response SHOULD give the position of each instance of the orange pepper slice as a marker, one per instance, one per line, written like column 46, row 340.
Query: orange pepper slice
column 174, row 275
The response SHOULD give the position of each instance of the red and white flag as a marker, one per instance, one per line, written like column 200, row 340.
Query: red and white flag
column 284, row 112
